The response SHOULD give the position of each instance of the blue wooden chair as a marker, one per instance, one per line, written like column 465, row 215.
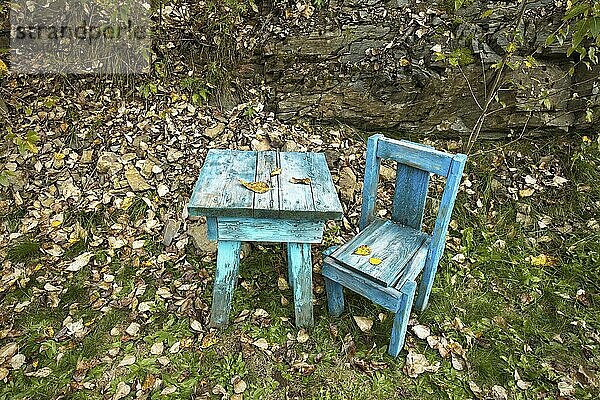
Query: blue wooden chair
column 404, row 250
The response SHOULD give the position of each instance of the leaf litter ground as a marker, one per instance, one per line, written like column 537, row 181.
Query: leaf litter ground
column 97, row 303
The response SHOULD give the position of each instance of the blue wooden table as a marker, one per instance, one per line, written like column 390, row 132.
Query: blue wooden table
column 289, row 212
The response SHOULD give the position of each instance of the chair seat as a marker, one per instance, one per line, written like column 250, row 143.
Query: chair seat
column 402, row 251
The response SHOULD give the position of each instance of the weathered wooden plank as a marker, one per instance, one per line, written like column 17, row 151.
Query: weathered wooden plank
column 369, row 192
column 394, row 244
column 208, row 189
column 267, row 204
column 438, row 237
column 237, row 199
column 294, row 198
column 414, row 267
column 415, row 156
column 410, row 196
column 218, row 191
column 388, row 298
column 270, row 230
column 401, row 319
column 228, row 260
column 325, row 197
column 301, row 268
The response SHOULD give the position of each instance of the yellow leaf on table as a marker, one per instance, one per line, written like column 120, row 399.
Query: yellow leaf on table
column 257, row 187
column 301, row 181
column 542, row 261
column 276, row 171
column 362, row 250
column 375, row 261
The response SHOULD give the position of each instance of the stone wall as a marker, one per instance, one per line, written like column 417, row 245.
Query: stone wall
column 372, row 64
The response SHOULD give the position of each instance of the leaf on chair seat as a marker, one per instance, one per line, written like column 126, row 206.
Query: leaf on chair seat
column 375, row 261
column 257, row 187
column 362, row 250
column 301, row 181
column 276, row 172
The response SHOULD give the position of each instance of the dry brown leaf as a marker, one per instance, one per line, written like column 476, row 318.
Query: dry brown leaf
column 422, row 331
column 256, row 187
column 300, row 181
column 362, row 250
column 276, row 172
column 364, row 324
column 302, row 336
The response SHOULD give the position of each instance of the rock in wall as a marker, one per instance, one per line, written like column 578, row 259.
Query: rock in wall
column 373, row 64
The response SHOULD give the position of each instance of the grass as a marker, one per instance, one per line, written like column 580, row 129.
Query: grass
column 509, row 313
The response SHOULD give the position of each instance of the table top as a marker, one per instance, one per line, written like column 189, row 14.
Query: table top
column 219, row 193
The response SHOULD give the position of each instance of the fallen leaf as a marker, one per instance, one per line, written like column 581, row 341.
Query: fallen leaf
column 364, row 324
column 3, row 373
column 133, row 329
column 302, row 336
column 175, row 347
column 416, row 364
column 164, row 292
column 256, row 187
column 421, row 331
column 80, row 261
column 17, row 361
column 239, row 386
column 123, row 390
column 208, row 341
column 542, row 261
column 196, row 326
column 565, row 389
column 300, row 181
column 276, row 172
column 559, row 181
column 282, row 283
column 362, row 250
column 499, row 393
column 127, row 360
column 157, row 348
column 458, row 363
column 526, row 192
column 261, row 344
column 375, row 261
column 7, row 351
column 40, row 373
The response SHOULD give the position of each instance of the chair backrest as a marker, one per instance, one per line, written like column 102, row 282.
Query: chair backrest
column 415, row 163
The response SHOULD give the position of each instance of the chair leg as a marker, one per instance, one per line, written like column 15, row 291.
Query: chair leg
column 300, row 265
column 425, row 289
column 335, row 297
column 228, row 261
column 401, row 319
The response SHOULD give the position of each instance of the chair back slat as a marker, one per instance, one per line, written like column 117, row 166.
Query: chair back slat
column 410, row 195
column 369, row 193
column 414, row 155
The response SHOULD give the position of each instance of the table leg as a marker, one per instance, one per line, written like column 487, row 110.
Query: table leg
column 228, row 261
column 300, row 265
